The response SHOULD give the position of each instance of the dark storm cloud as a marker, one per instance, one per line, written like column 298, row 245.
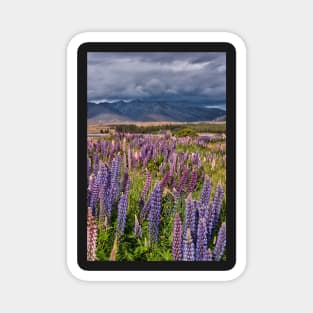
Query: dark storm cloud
column 129, row 75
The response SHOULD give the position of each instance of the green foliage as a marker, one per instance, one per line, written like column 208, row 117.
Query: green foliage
column 197, row 127
column 186, row 132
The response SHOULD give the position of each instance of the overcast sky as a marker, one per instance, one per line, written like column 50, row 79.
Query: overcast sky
column 159, row 75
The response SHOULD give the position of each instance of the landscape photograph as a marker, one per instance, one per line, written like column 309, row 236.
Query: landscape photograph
column 156, row 156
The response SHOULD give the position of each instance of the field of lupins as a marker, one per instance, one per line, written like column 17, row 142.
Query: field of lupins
column 156, row 198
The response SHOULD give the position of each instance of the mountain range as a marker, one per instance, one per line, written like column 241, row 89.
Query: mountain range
column 154, row 110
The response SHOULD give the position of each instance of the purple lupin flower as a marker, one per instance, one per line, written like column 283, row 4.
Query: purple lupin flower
column 203, row 212
column 94, row 197
column 177, row 238
column 96, row 163
column 115, row 176
column 145, row 208
column 103, row 190
column 103, row 173
column 91, row 182
column 165, row 180
column 217, row 203
column 185, row 157
column 202, row 246
column 188, row 247
column 121, row 214
column 103, row 149
column 146, row 186
column 89, row 168
column 154, row 152
column 154, row 214
column 143, row 151
column 166, row 154
column 211, row 222
column 220, row 243
column 215, row 210
column 173, row 163
column 193, row 181
column 206, row 192
column 109, row 200
column 91, row 236
column 183, row 181
column 137, row 228
column 190, row 216
column 194, row 219
column 146, row 159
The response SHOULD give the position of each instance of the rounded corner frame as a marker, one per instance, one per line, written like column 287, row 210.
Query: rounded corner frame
column 71, row 176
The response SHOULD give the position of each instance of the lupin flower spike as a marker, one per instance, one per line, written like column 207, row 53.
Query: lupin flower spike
column 202, row 246
column 121, row 214
column 177, row 238
column 91, row 236
column 220, row 243
column 188, row 247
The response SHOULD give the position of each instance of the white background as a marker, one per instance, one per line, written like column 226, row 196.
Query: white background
column 33, row 274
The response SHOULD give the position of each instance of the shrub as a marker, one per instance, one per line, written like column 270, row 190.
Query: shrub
column 186, row 132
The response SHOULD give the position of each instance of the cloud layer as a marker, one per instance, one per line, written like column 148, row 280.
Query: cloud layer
column 160, row 75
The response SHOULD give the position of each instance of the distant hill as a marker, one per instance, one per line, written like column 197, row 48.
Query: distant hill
column 221, row 118
column 152, row 110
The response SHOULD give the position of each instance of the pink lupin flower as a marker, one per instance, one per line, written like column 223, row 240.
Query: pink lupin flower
column 136, row 156
column 213, row 163
column 129, row 157
column 91, row 236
